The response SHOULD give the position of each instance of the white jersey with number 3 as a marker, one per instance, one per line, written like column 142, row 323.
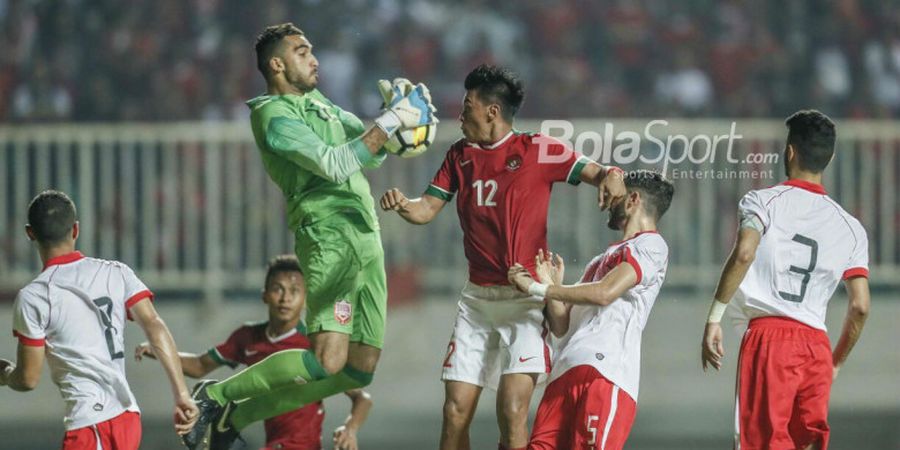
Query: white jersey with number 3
column 77, row 308
column 809, row 244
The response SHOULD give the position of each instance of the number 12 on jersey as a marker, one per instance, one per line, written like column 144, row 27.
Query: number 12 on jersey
column 482, row 187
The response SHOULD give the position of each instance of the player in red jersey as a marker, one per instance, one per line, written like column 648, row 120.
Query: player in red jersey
column 794, row 246
column 503, row 178
column 284, row 293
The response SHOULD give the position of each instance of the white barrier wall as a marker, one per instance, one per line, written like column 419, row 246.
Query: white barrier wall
column 190, row 207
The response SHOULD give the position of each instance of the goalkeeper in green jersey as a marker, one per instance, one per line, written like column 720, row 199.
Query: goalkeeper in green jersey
column 315, row 151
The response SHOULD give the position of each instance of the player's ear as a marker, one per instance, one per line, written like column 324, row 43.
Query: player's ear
column 789, row 153
column 634, row 199
column 30, row 232
column 75, row 229
column 276, row 65
column 493, row 111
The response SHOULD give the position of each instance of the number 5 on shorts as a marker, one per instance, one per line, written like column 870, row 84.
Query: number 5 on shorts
column 592, row 429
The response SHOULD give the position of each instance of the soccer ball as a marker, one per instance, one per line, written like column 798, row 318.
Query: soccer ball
column 412, row 143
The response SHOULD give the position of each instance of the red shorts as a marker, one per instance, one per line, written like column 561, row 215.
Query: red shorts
column 122, row 432
column 784, row 380
column 582, row 410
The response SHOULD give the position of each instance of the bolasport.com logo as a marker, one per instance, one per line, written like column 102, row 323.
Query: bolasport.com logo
column 678, row 156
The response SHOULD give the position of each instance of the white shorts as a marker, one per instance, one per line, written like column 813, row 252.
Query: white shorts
column 498, row 331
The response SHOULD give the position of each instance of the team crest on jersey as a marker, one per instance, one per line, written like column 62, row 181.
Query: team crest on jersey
column 513, row 163
column 343, row 312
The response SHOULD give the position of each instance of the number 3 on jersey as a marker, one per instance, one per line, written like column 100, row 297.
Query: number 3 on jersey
column 485, row 191
column 813, row 256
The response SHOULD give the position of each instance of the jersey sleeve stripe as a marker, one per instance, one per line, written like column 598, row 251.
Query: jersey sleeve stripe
column 629, row 258
column 136, row 298
column 217, row 357
column 30, row 342
column 574, row 177
column 855, row 272
column 442, row 194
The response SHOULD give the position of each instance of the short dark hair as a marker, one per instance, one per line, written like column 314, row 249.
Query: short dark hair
column 656, row 190
column 497, row 85
column 51, row 216
column 281, row 263
column 267, row 42
column 812, row 134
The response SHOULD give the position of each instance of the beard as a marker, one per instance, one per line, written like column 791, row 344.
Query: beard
column 304, row 83
column 617, row 216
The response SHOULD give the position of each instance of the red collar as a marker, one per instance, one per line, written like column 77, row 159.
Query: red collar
column 63, row 259
column 636, row 235
column 811, row 187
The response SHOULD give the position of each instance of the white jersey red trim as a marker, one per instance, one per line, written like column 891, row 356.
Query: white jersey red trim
column 76, row 308
column 608, row 338
column 808, row 245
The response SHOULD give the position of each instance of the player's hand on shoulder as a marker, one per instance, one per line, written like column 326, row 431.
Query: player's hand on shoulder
column 519, row 277
column 394, row 200
column 345, row 438
column 712, row 351
column 186, row 413
column 143, row 349
column 611, row 188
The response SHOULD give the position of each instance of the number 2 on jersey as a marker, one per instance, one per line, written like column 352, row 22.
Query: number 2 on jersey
column 813, row 255
column 480, row 187
column 105, row 317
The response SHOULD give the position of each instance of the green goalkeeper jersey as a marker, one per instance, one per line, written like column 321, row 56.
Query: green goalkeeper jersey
column 313, row 151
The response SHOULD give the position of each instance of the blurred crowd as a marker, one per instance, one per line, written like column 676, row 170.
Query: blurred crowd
column 164, row 60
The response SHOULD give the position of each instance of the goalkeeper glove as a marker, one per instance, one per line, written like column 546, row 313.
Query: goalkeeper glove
column 407, row 108
column 389, row 93
column 386, row 89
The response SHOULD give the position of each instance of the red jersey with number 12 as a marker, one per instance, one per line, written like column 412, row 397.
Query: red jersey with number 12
column 504, row 194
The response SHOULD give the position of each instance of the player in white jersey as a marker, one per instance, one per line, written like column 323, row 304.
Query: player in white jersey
column 73, row 314
column 793, row 247
column 590, row 402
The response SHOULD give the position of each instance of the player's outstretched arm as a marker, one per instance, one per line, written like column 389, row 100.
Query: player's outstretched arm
column 345, row 436
column 742, row 255
column 294, row 140
column 25, row 375
column 620, row 279
column 164, row 349
column 192, row 365
column 609, row 181
column 418, row 211
column 857, row 312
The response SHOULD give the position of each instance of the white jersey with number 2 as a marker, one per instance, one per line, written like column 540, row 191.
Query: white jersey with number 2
column 809, row 244
column 77, row 308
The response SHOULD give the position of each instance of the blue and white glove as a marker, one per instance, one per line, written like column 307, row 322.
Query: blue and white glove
column 406, row 110
column 388, row 93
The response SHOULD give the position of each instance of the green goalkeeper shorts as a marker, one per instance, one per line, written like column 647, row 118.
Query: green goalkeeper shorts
column 343, row 266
